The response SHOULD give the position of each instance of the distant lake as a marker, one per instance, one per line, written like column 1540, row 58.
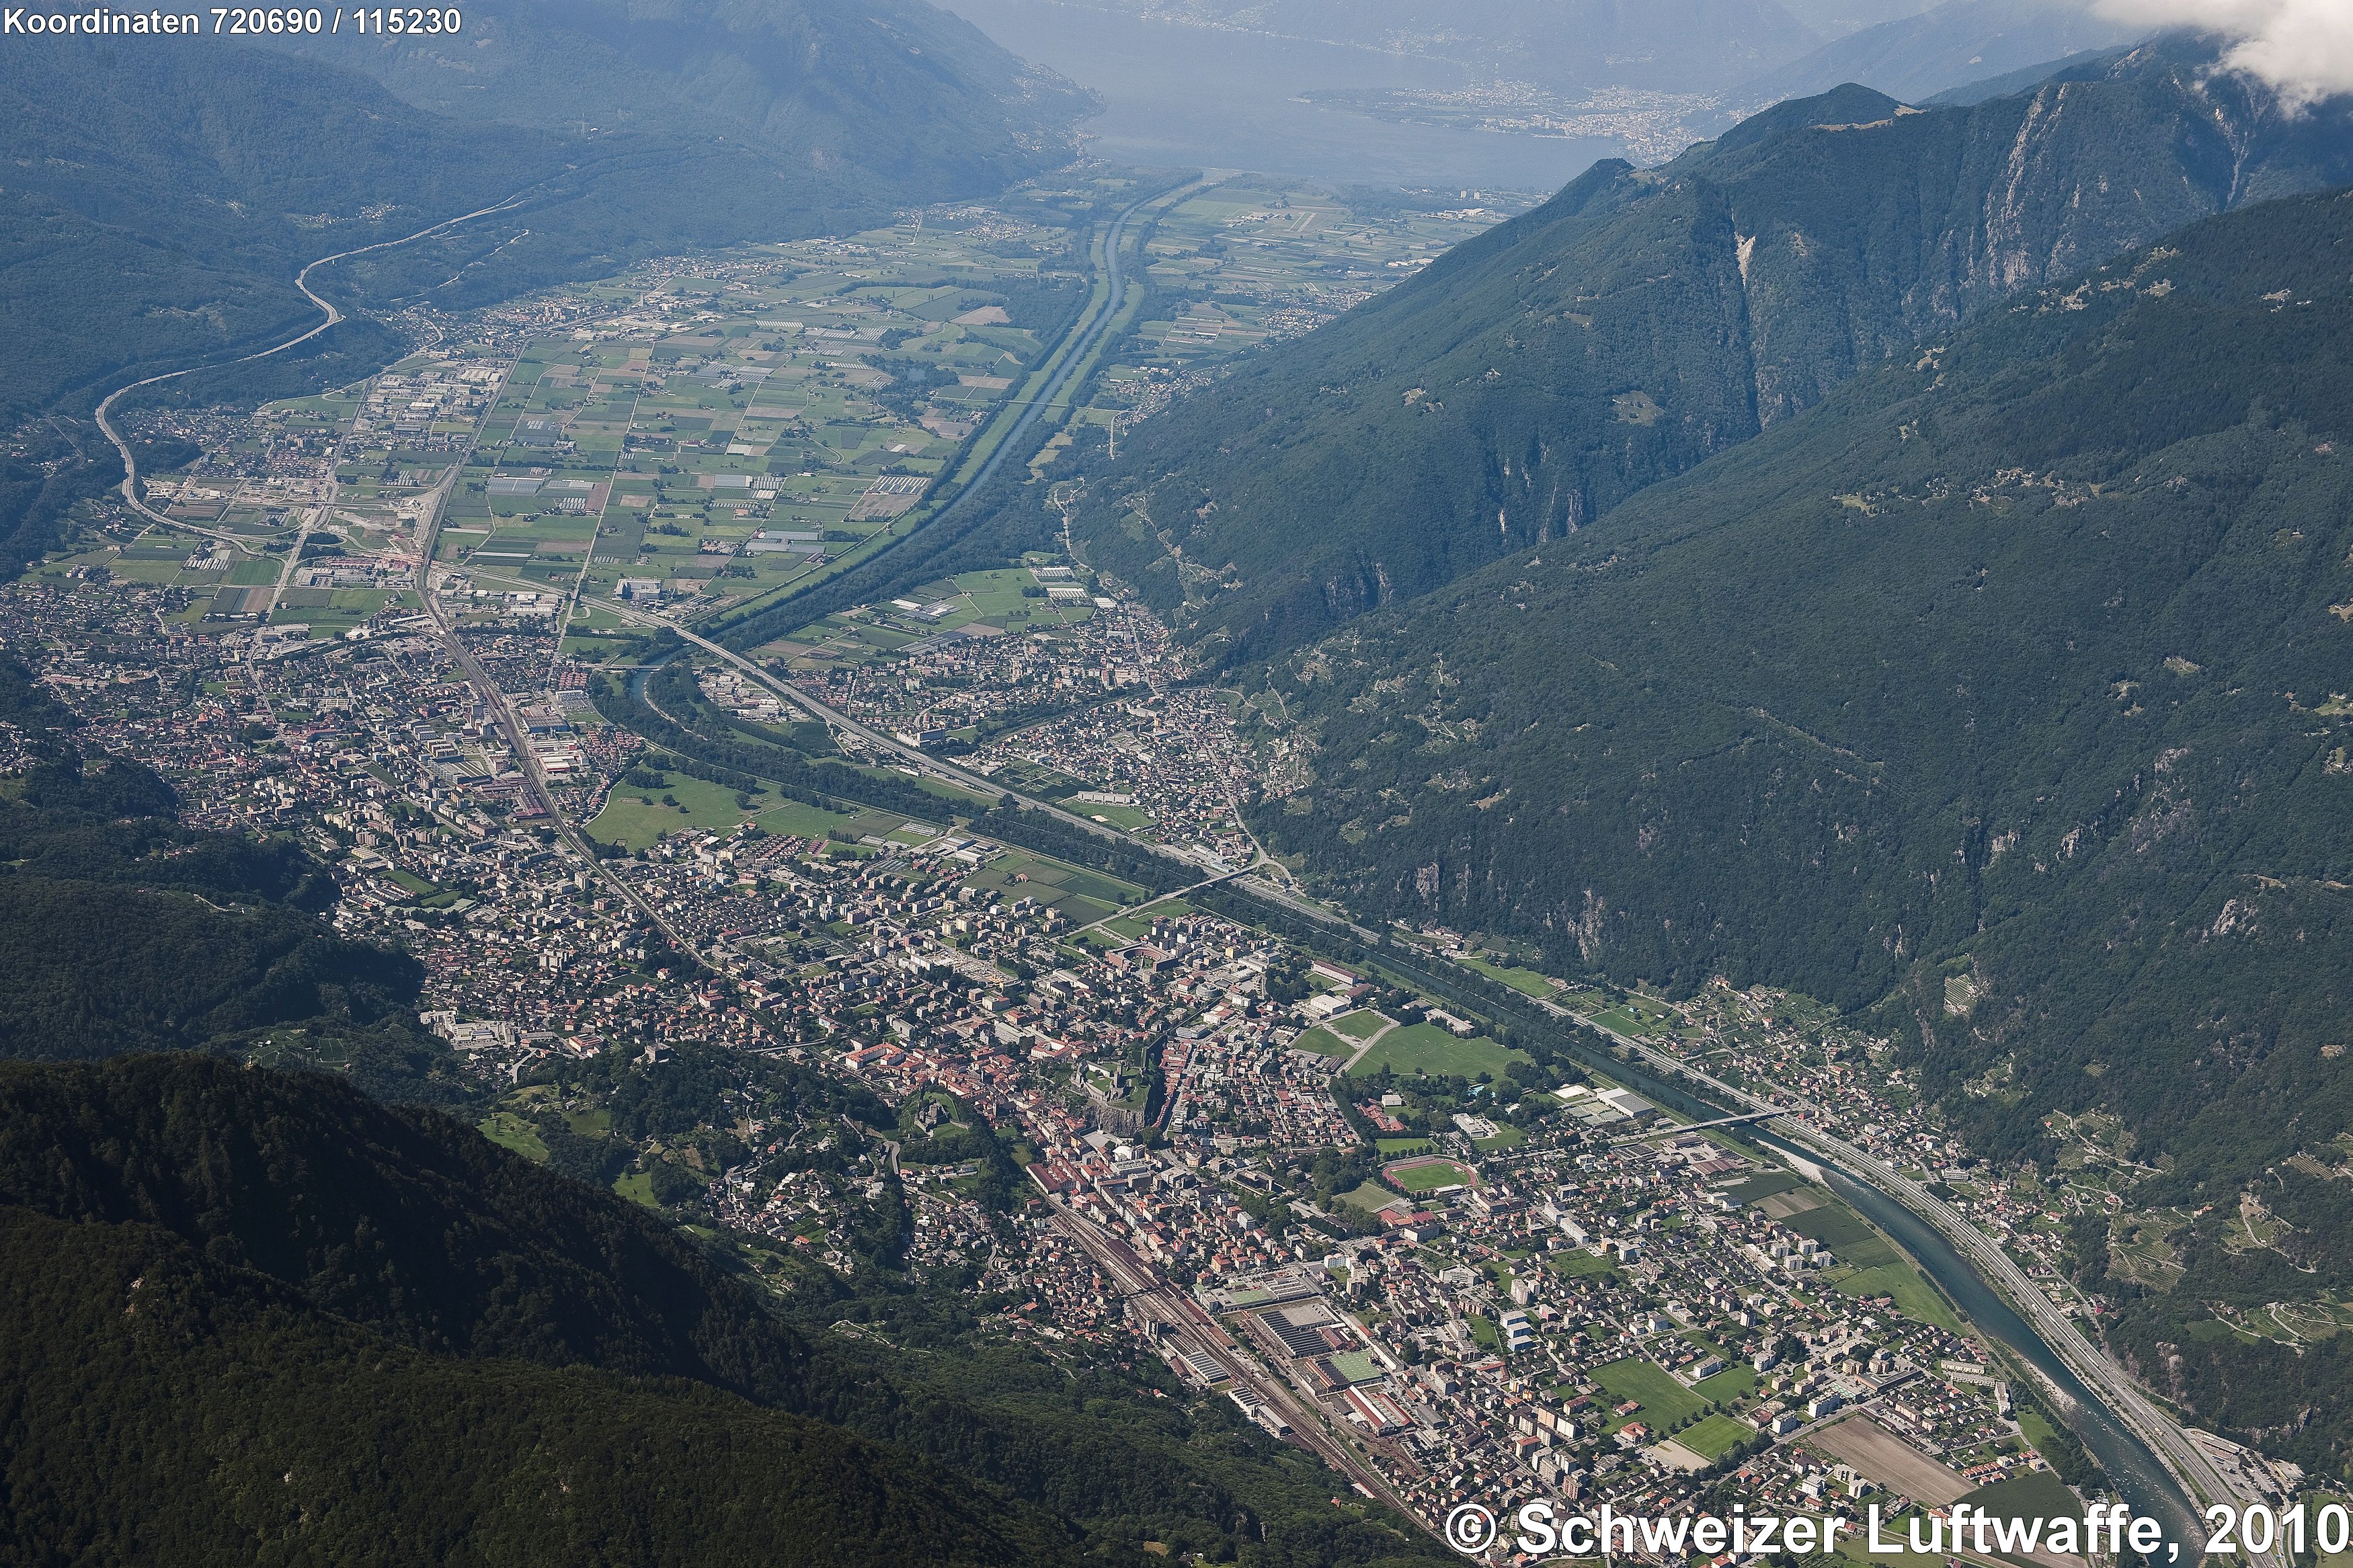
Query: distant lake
column 1198, row 97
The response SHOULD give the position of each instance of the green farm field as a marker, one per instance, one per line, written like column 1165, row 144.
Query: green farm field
column 636, row 818
column 1319, row 1040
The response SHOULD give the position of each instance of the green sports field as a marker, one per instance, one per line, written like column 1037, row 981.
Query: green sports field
column 1713, row 1437
column 1663, row 1400
column 1427, row 1175
column 1413, row 1048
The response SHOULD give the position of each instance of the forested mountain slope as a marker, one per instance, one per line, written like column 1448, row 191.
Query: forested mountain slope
column 2023, row 663
column 122, row 931
column 157, row 205
column 210, row 1268
column 1645, row 319
column 194, row 176
column 397, row 1219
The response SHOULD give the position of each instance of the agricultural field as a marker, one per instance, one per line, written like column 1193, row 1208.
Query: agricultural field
column 747, row 446
column 253, row 534
column 732, row 429
column 1636, row 1015
column 1079, row 896
column 1250, row 261
column 635, row 816
column 636, row 819
column 2036, row 1495
column 971, row 605
column 1579, row 1264
column 1736, row 1382
column 1844, row 1231
column 1136, row 926
column 511, row 1131
column 1763, row 1185
column 696, row 434
column 1914, row 1296
column 1527, row 982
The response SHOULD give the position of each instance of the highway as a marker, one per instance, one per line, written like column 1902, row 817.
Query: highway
column 2190, row 1464
column 1766, row 1114
column 1028, row 407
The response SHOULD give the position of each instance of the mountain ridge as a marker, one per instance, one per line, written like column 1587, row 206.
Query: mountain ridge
column 164, row 1403
column 1997, row 701
column 1945, row 47
column 1523, row 384
column 2049, row 607
column 911, row 96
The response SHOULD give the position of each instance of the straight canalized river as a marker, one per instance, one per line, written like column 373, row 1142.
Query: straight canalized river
column 2141, row 1480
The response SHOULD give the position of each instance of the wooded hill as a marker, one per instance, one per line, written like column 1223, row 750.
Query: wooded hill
column 225, row 1291
column 1643, row 320
column 122, row 931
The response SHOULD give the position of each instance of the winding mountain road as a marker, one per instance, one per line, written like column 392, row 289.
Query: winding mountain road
column 331, row 316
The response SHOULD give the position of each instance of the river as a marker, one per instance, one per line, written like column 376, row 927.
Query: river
column 2140, row 1479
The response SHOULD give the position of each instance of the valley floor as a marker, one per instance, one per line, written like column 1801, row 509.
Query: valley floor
column 430, row 627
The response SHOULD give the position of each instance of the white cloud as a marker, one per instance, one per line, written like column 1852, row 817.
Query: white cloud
column 2303, row 49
